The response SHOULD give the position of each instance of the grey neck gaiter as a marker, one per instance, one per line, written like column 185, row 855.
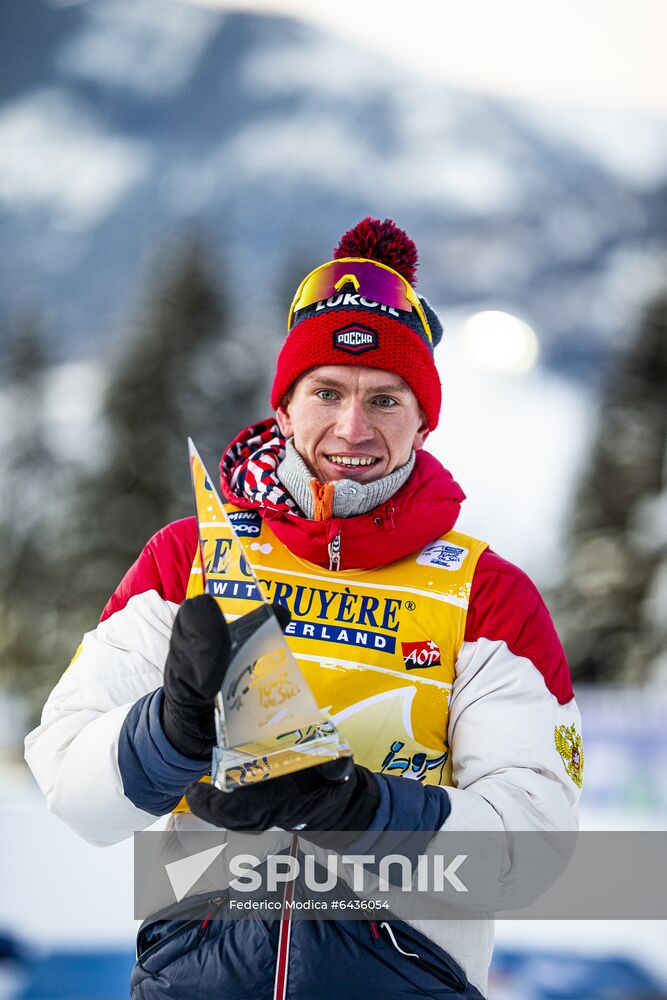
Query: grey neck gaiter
column 350, row 498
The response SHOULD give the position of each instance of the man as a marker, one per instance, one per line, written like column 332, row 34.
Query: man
column 436, row 658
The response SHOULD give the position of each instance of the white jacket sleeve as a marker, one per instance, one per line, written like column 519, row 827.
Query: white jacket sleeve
column 503, row 726
column 514, row 727
column 73, row 753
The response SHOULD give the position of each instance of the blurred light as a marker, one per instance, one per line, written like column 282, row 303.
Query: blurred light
column 500, row 342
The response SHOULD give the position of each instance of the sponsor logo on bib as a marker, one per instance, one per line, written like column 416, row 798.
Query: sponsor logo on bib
column 246, row 522
column 420, row 654
column 413, row 765
column 444, row 555
column 339, row 616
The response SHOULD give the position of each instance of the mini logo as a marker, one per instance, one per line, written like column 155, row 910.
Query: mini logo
column 571, row 748
column 355, row 339
column 246, row 522
column 442, row 554
column 420, row 654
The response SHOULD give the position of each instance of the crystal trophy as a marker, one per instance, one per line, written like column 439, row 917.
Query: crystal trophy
column 268, row 722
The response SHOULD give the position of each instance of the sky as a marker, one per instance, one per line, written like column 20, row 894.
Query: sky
column 603, row 53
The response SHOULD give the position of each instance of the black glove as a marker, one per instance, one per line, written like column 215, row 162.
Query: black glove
column 199, row 654
column 338, row 795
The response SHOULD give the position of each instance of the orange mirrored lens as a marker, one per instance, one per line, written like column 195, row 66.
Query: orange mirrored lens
column 369, row 281
column 372, row 283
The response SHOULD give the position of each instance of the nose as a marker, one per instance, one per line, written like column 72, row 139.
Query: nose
column 353, row 424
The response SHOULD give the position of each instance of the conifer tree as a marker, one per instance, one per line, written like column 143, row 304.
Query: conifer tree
column 30, row 519
column 182, row 373
column 608, row 608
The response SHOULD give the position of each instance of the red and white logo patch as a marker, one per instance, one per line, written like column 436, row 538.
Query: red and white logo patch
column 420, row 654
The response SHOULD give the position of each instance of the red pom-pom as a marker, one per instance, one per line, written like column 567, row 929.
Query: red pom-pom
column 381, row 241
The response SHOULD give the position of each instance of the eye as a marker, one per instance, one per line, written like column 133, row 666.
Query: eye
column 384, row 402
column 328, row 395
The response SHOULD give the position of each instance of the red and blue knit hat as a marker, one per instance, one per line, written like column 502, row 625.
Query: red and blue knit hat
column 338, row 316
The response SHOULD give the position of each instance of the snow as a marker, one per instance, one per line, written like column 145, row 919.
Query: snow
column 471, row 181
column 89, row 170
column 426, row 135
column 59, row 890
column 265, row 150
column 72, row 409
column 314, row 68
column 139, row 45
column 634, row 146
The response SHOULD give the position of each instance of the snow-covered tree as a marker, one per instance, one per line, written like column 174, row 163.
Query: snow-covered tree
column 180, row 373
column 612, row 608
column 30, row 522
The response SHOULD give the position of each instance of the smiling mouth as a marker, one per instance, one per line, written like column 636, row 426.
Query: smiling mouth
column 352, row 462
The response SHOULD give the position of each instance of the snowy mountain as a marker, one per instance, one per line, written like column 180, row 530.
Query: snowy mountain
column 124, row 120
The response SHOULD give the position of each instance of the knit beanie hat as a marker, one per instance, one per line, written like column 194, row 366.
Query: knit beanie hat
column 361, row 309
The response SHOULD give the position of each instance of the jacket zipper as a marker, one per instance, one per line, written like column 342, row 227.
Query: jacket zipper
column 284, row 934
column 214, row 907
column 334, row 553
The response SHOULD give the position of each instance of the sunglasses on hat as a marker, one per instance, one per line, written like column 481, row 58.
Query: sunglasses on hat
column 372, row 280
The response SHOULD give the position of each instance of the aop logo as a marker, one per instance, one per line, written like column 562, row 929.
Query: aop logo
column 420, row 654
column 355, row 339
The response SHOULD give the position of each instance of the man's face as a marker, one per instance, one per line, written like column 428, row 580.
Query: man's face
column 352, row 423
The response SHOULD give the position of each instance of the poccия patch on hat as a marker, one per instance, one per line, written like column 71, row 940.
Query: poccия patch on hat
column 361, row 309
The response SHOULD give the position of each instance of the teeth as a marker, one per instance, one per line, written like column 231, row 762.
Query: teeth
column 347, row 460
